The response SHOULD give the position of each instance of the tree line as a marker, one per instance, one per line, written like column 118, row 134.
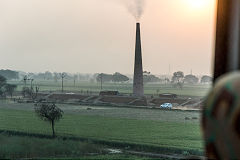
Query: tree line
column 116, row 77
column 177, row 77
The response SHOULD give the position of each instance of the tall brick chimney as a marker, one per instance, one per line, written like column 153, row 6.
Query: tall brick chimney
column 138, row 68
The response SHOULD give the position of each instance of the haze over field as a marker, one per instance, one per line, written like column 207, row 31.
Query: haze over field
column 93, row 36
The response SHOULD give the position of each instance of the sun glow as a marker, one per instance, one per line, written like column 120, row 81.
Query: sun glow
column 198, row 4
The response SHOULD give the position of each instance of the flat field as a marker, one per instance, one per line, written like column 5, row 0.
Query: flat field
column 199, row 90
column 15, row 147
column 161, row 128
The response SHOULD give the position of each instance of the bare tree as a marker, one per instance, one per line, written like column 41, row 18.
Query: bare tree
column 49, row 112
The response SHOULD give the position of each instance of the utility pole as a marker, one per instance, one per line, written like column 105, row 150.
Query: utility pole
column 75, row 77
column 37, row 90
column 25, row 80
column 63, row 75
column 31, row 84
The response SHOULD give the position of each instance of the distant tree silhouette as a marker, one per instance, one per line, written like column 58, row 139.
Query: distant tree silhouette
column 9, row 89
column 191, row 79
column 3, row 82
column 9, row 74
column 56, row 76
column 150, row 78
column 177, row 79
column 104, row 77
column 118, row 77
column 6, row 88
column 48, row 75
column 206, row 79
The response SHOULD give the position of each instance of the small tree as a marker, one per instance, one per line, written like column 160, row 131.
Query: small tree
column 177, row 76
column 49, row 112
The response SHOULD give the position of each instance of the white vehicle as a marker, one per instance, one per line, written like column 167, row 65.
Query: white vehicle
column 166, row 105
column 70, row 93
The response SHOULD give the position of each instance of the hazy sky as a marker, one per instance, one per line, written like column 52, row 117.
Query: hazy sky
column 93, row 36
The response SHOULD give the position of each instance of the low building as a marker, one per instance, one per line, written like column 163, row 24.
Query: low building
column 108, row 93
column 168, row 95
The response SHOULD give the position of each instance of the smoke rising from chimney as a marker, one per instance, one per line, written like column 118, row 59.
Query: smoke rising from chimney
column 135, row 7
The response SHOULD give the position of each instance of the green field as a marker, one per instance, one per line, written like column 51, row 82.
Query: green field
column 13, row 147
column 167, row 129
column 16, row 147
column 188, row 90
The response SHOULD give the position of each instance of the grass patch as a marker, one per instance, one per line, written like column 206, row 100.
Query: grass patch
column 29, row 147
column 144, row 132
